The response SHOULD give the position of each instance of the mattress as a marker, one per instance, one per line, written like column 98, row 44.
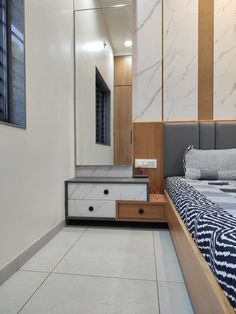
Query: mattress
column 208, row 210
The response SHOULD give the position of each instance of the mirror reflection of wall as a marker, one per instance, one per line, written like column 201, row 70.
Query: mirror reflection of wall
column 103, row 84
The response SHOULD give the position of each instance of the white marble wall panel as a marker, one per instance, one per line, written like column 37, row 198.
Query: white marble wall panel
column 147, row 56
column 225, row 59
column 180, row 59
column 104, row 171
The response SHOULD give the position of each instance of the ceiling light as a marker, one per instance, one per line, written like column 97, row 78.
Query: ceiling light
column 95, row 46
column 128, row 43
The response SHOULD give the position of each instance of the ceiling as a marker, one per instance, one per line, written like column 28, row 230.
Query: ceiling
column 104, row 3
column 118, row 24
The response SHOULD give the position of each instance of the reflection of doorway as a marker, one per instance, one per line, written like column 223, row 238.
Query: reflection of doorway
column 123, row 110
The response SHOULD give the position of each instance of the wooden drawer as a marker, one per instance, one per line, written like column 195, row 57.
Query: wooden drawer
column 107, row 191
column 140, row 212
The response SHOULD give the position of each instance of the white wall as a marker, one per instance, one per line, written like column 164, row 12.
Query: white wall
column 36, row 161
column 90, row 27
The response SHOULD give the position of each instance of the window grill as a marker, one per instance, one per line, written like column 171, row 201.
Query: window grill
column 12, row 62
column 102, row 110
column 3, row 62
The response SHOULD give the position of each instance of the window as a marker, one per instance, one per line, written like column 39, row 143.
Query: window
column 12, row 62
column 103, row 108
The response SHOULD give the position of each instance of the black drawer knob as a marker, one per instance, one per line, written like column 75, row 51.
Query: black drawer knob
column 141, row 211
column 91, row 209
column 106, row 192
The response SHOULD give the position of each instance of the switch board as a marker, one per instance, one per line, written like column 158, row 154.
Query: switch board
column 145, row 163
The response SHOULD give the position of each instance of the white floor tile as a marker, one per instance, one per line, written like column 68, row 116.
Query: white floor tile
column 101, row 252
column 47, row 258
column 18, row 289
column 68, row 294
column 112, row 252
column 167, row 264
column 174, row 298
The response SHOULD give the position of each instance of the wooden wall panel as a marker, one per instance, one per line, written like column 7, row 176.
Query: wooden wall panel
column 123, row 125
column 123, row 110
column 205, row 59
column 148, row 144
column 123, row 70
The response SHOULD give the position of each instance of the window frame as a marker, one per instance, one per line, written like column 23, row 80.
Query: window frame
column 8, row 78
column 99, row 81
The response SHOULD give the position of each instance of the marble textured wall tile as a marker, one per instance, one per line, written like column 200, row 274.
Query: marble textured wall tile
column 105, row 171
column 147, row 66
column 225, row 60
column 180, row 31
column 80, row 208
column 117, row 191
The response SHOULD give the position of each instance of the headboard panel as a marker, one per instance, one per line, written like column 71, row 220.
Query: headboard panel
column 225, row 135
column 204, row 135
column 178, row 136
column 207, row 135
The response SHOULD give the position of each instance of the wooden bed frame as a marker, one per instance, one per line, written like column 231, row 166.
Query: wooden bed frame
column 206, row 294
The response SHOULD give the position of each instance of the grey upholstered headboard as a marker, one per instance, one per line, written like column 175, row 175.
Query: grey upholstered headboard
column 202, row 135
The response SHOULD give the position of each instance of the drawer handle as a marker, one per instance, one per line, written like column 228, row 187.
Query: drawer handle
column 91, row 209
column 141, row 211
column 106, row 192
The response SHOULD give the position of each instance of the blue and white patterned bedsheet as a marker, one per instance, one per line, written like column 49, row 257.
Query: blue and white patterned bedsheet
column 212, row 227
column 222, row 193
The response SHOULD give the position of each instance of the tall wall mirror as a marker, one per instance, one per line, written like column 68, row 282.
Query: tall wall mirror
column 103, row 83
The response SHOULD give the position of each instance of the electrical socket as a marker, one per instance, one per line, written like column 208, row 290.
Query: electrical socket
column 145, row 163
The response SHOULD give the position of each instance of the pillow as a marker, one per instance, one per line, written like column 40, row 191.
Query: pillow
column 219, row 164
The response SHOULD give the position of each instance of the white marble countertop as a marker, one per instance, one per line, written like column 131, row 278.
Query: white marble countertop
column 108, row 180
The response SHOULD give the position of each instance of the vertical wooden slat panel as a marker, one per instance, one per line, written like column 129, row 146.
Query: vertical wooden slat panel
column 123, row 125
column 123, row 70
column 123, row 110
column 205, row 59
column 148, row 144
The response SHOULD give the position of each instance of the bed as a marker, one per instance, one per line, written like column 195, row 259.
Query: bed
column 202, row 217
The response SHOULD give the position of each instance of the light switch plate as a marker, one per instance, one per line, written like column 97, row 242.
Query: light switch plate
column 145, row 163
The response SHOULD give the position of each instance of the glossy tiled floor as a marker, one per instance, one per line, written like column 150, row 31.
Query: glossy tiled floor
column 99, row 271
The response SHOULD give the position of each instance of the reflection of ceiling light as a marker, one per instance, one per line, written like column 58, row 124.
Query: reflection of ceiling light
column 95, row 46
column 128, row 43
column 120, row 5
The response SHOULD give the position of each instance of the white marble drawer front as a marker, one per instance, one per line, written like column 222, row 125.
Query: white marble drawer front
column 107, row 191
column 91, row 208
